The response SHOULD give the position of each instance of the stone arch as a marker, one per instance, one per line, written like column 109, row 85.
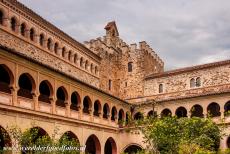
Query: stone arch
column 121, row 115
column 110, row 146
column 106, row 111
column 23, row 29
column 70, row 136
column 91, row 67
column 41, row 39
column 62, row 96
column 13, row 23
column 26, row 85
column 166, row 112
column 132, row 148
column 86, row 64
column 114, row 113
column 56, row 46
column 32, row 34
column 192, row 83
column 49, row 44
column 5, row 140
column 152, row 114
column 6, row 79
column 227, row 108
column 75, row 58
column 63, row 52
column 213, row 109
column 70, row 55
column 75, row 101
column 138, row 116
column 197, row 111
column 87, row 105
column 181, row 112
column 96, row 69
column 93, row 145
column 46, row 91
column 81, row 62
column 97, row 108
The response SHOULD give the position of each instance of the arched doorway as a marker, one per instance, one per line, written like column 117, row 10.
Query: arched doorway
column 93, row 145
column 213, row 110
column 197, row 111
column 69, row 139
column 110, row 146
column 5, row 140
column 165, row 113
column 181, row 112
column 6, row 79
column 132, row 149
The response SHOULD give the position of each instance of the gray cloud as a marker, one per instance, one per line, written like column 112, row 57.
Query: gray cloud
column 182, row 32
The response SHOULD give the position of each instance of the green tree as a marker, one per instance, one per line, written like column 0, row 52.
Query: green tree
column 172, row 135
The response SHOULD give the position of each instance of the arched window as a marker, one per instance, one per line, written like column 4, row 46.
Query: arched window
column 97, row 108
column 1, row 17
column 130, row 66
column 121, row 117
column 106, row 111
column 181, row 112
column 86, row 64
column 6, row 79
column 138, row 116
column 23, row 29
column 213, row 110
column 91, row 68
column 165, row 113
column 61, row 96
column 198, row 82
column 32, row 34
column 75, row 58
column 45, row 91
column 87, row 104
column 13, row 24
column 81, row 62
column 161, row 88
column 63, row 51
column 197, row 111
column 114, row 114
column 96, row 70
column 56, row 48
column 192, row 83
column 75, row 101
column 26, row 84
column 49, row 44
column 41, row 39
column 69, row 55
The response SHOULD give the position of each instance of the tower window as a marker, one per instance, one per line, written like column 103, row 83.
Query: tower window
column 130, row 66
column 160, row 88
column 195, row 82
column 110, row 84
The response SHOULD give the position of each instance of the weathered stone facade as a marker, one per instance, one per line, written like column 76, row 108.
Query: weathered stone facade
column 92, row 88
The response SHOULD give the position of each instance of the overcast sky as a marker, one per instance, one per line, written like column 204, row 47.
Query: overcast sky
column 182, row 32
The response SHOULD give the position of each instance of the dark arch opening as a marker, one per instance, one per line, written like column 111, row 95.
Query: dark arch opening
column 63, row 52
column 45, row 91
column 114, row 114
column 5, row 79
column 93, row 145
column 69, row 136
column 152, row 114
column 132, row 149
column 87, row 105
column 49, row 43
column 13, row 24
column 5, row 140
column 106, row 111
column 121, row 115
column 41, row 39
column 138, row 116
column 228, row 142
column 165, row 113
column 181, row 112
column 61, row 96
column 213, row 110
column 1, row 17
column 197, row 111
column 26, row 83
column 227, row 109
column 32, row 33
column 23, row 29
column 97, row 108
column 110, row 146
column 56, row 48
column 75, row 101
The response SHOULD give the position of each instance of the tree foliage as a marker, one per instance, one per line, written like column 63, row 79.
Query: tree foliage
column 172, row 135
